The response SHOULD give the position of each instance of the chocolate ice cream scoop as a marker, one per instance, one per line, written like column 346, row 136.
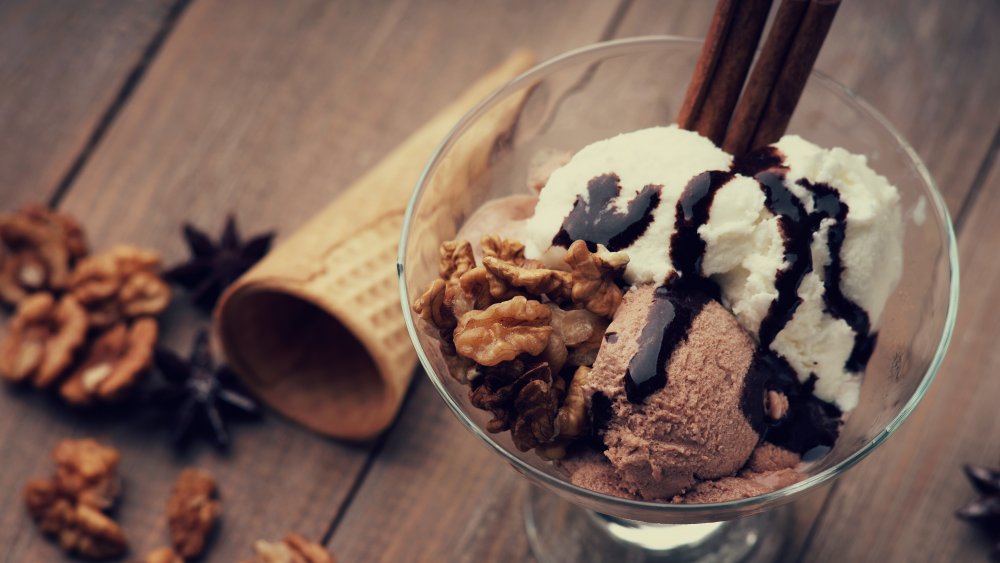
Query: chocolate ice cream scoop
column 684, row 404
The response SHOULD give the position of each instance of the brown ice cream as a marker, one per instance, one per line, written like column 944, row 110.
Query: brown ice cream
column 701, row 424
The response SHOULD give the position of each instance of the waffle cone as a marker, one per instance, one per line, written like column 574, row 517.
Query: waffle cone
column 315, row 329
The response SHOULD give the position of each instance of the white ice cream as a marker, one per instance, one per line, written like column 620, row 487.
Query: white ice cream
column 744, row 243
column 666, row 156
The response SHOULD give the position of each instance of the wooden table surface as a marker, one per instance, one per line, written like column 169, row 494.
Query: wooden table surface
column 137, row 115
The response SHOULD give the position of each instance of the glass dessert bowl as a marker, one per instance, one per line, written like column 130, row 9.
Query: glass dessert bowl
column 597, row 92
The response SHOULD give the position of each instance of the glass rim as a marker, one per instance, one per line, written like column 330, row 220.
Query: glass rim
column 626, row 46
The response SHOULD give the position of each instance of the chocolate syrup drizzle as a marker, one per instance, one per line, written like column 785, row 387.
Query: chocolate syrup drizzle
column 687, row 248
column 827, row 204
column 767, row 166
column 595, row 220
column 678, row 301
column 667, row 324
column 796, row 233
column 810, row 422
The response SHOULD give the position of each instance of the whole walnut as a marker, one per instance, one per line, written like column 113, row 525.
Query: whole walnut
column 120, row 284
column 503, row 331
column 192, row 512
column 69, row 505
column 42, row 338
column 113, row 364
column 38, row 247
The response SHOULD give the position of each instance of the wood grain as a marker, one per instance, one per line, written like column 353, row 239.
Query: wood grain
column 61, row 67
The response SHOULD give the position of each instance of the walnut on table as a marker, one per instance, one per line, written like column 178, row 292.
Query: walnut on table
column 114, row 364
column 192, row 512
column 292, row 549
column 120, row 284
column 87, row 471
column 40, row 247
column 42, row 338
column 69, row 505
column 162, row 555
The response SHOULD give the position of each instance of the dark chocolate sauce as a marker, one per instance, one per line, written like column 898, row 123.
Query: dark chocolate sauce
column 687, row 248
column 595, row 220
column 797, row 229
column 601, row 413
column 667, row 326
column 810, row 422
column 827, row 204
column 798, row 254
column 757, row 161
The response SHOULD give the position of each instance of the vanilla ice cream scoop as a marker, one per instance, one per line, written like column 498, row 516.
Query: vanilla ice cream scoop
column 802, row 244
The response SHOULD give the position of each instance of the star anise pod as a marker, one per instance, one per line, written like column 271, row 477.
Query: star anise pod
column 200, row 393
column 986, row 509
column 215, row 266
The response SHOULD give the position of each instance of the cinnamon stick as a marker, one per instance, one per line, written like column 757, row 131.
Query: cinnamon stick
column 722, row 67
column 780, row 74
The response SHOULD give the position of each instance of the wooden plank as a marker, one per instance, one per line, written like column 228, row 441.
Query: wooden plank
column 268, row 113
column 435, row 494
column 899, row 505
column 61, row 66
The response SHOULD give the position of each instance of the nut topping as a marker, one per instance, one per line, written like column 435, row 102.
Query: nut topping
column 594, row 276
column 503, row 331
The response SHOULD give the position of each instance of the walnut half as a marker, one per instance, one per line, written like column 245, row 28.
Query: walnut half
column 162, row 555
column 114, row 363
column 39, row 248
column 503, row 331
column 69, row 505
column 120, row 284
column 42, row 338
column 594, row 275
column 192, row 512
column 292, row 549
